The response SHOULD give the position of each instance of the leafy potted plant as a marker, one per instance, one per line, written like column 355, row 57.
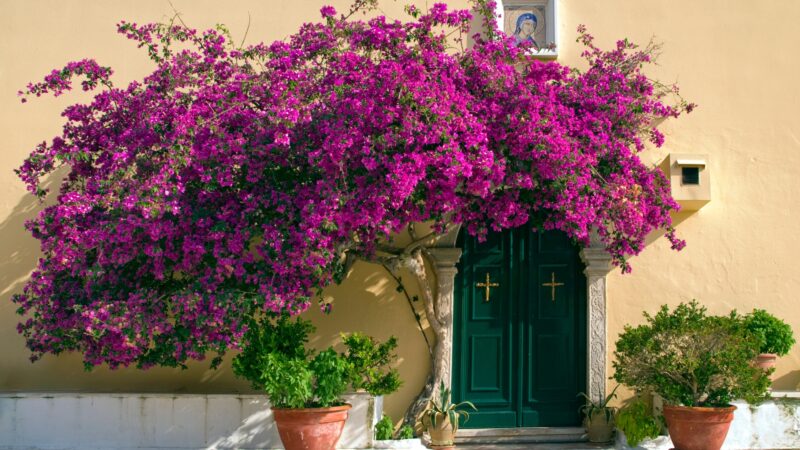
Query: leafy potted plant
column 635, row 422
column 305, row 390
column 386, row 438
column 697, row 363
column 775, row 335
column 384, row 429
column 599, row 417
column 368, row 363
column 442, row 417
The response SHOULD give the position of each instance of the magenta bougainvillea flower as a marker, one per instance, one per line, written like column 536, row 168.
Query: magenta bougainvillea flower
column 230, row 181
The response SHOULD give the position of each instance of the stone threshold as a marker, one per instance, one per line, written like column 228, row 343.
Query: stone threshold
column 539, row 446
column 525, row 435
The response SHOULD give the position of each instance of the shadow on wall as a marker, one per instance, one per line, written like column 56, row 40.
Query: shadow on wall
column 18, row 250
column 367, row 301
column 787, row 382
column 677, row 219
column 19, row 254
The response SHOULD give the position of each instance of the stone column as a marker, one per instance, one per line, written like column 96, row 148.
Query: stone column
column 445, row 260
column 598, row 265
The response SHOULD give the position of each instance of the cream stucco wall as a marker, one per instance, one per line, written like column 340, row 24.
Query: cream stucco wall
column 37, row 36
column 736, row 59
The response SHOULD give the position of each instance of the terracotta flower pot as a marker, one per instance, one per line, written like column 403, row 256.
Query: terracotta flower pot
column 766, row 361
column 442, row 435
column 310, row 428
column 598, row 429
column 697, row 428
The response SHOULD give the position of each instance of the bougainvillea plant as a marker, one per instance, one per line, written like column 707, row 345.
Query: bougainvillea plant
column 232, row 179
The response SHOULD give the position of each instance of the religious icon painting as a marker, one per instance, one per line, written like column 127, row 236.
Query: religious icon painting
column 532, row 23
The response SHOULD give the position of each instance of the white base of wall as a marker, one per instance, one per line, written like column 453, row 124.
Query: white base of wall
column 408, row 444
column 771, row 425
column 159, row 421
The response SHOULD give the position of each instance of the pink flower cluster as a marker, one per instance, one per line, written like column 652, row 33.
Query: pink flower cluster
column 230, row 181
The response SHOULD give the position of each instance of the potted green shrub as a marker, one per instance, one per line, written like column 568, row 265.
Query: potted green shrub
column 384, row 429
column 636, row 422
column 387, row 438
column 305, row 390
column 697, row 363
column 442, row 417
column 599, row 417
column 776, row 337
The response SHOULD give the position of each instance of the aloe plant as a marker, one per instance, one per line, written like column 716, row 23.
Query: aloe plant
column 444, row 407
column 592, row 408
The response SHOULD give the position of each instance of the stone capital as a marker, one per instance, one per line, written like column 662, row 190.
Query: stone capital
column 597, row 260
column 445, row 257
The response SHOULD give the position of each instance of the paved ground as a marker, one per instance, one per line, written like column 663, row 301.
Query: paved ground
column 538, row 446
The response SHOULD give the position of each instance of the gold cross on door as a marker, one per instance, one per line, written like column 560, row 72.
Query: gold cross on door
column 488, row 285
column 552, row 285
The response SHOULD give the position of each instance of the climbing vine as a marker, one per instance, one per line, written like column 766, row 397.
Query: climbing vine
column 235, row 180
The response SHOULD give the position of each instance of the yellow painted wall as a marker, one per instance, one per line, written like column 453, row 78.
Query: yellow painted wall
column 736, row 59
column 37, row 36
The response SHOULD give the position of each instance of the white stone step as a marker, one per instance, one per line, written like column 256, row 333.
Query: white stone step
column 539, row 446
column 520, row 435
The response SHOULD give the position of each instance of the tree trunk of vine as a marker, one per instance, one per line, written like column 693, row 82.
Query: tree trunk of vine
column 438, row 374
column 438, row 309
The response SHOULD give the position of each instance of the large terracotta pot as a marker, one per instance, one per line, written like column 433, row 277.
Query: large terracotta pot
column 767, row 361
column 310, row 428
column 697, row 428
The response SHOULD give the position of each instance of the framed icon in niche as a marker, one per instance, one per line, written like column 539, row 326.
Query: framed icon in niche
column 532, row 22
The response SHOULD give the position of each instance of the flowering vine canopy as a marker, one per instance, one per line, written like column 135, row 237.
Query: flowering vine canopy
column 231, row 180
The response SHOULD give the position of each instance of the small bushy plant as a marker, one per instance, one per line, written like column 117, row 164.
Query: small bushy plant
column 384, row 429
column 274, row 359
column 287, row 381
column 271, row 336
column 330, row 371
column 691, row 358
column 369, row 362
column 637, row 422
column 776, row 335
column 406, row 432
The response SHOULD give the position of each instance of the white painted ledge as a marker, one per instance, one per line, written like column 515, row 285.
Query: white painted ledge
column 158, row 421
column 774, row 424
column 407, row 444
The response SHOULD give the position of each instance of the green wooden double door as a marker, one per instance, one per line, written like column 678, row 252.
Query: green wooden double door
column 519, row 346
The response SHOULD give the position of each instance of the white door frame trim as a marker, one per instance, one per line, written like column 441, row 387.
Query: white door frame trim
column 445, row 256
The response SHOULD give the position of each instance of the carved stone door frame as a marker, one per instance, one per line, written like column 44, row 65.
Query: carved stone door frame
column 445, row 255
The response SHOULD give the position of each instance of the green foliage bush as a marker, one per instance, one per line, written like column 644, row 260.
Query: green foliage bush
column 690, row 358
column 331, row 370
column 288, row 381
column 369, row 363
column 637, row 422
column 268, row 336
column 274, row 359
column 406, row 432
column 384, row 429
column 776, row 335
